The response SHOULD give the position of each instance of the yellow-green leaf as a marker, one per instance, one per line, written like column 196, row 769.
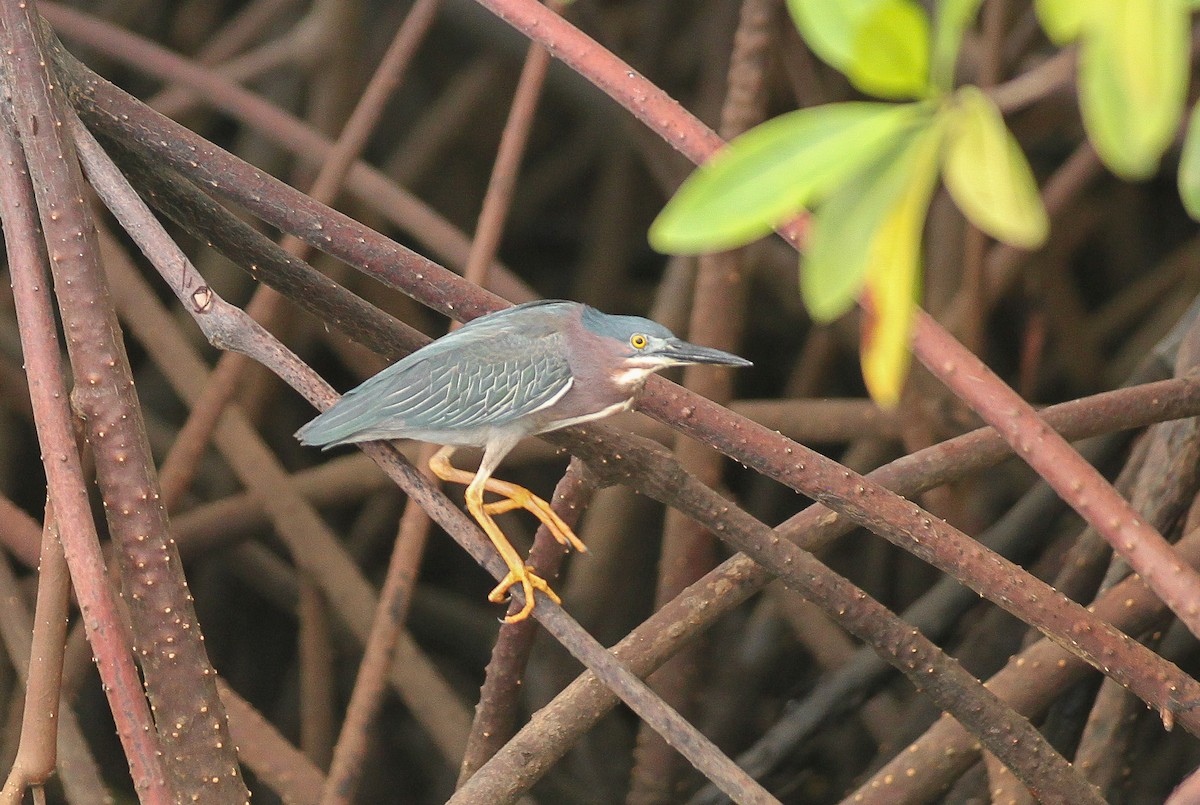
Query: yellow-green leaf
column 894, row 279
column 951, row 19
column 774, row 170
column 829, row 28
column 1189, row 166
column 890, row 57
column 987, row 173
column 1062, row 20
column 1133, row 73
column 833, row 268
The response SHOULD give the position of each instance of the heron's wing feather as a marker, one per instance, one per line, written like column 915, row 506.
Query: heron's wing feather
column 478, row 377
column 498, row 380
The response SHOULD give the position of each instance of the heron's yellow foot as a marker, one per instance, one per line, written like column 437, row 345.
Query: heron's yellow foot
column 529, row 582
column 518, row 571
column 518, row 497
column 514, row 497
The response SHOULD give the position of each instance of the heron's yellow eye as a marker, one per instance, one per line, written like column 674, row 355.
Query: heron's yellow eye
column 639, row 341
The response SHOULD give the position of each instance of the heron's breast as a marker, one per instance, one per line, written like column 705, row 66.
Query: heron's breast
column 588, row 399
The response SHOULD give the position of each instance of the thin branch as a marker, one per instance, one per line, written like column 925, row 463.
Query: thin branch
column 47, row 724
column 369, row 686
column 506, row 166
column 496, row 712
column 19, row 533
column 37, row 754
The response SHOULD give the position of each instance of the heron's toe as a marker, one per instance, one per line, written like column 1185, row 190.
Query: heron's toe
column 529, row 582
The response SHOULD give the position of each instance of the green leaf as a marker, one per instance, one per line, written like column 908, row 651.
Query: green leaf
column 1189, row 165
column 890, row 55
column 1133, row 73
column 951, row 19
column 882, row 46
column 829, row 28
column 893, row 279
column 987, row 173
column 1063, row 20
column 834, row 267
column 773, row 171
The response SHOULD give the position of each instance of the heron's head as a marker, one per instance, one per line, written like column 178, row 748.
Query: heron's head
column 633, row 347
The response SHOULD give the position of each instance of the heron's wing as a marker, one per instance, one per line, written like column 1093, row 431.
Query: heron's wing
column 497, row 380
column 478, row 377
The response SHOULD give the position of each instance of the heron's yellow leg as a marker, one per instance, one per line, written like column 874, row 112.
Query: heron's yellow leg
column 514, row 497
column 518, row 571
column 518, row 497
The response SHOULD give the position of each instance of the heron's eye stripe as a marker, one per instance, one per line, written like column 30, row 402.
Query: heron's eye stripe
column 638, row 340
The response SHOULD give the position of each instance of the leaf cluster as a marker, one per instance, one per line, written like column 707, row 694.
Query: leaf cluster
column 868, row 168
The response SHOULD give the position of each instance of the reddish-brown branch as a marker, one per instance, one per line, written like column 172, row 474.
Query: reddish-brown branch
column 314, row 546
column 1030, row 682
column 689, row 549
column 368, row 185
column 31, row 290
column 19, row 533
column 178, row 676
column 76, row 767
column 37, row 753
column 1078, row 482
column 315, row 659
column 276, row 762
column 499, row 698
column 513, row 140
column 369, row 686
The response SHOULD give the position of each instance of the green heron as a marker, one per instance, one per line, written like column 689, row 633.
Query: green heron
column 514, row 373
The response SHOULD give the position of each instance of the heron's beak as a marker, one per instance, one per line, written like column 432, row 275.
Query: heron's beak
column 681, row 352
